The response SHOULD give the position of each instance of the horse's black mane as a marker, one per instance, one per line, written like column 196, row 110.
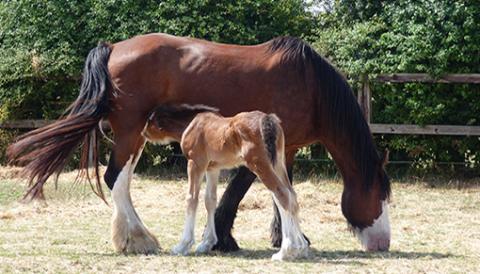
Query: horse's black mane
column 346, row 115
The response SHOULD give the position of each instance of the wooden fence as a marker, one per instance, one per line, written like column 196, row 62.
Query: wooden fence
column 365, row 101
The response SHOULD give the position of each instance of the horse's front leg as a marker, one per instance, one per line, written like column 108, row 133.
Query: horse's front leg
column 209, row 235
column 195, row 175
column 129, row 234
column 227, row 209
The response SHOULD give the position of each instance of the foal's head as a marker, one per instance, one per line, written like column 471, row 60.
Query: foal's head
column 167, row 122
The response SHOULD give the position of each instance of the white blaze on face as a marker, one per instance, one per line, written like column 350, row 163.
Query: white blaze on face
column 377, row 236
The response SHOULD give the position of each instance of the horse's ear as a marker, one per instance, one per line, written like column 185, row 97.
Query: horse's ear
column 386, row 154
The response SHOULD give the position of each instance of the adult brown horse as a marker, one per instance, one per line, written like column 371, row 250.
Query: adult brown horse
column 125, row 81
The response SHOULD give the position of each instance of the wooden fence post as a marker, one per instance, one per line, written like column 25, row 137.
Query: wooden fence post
column 364, row 98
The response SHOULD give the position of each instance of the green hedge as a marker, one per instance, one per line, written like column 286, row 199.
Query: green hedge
column 434, row 37
column 43, row 43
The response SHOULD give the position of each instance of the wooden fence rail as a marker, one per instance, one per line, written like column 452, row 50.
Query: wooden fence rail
column 365, row 101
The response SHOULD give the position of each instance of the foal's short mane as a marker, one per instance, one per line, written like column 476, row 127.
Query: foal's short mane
column 174, row 116
column 336, row 97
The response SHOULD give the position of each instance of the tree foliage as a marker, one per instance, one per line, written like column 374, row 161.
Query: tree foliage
column 435, row 37
column 43, row 43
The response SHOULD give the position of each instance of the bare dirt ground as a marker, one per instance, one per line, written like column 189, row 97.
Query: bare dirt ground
column 434, row 230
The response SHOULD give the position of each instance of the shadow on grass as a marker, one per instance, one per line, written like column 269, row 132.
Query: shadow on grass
column 337, row 256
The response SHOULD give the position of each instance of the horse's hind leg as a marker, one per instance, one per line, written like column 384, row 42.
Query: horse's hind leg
column 276, row 225
column 129, row 234
column 209, row 235
column 294, row 244
column 195, row 175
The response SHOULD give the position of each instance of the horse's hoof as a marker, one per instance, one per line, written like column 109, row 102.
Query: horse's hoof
column 226, row 244
column 145, row 244
column 139, row 241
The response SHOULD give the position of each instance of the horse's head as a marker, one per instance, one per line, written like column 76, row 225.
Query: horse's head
column 367, row 209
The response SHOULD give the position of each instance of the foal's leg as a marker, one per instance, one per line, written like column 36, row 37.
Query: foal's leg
column 129, row 234
column 209, row 235
column 294, row 244
column 289, row 216
column 195, row 175
column 276, row 225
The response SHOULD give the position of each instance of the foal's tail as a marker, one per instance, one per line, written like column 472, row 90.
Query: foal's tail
column 270, row 133
column 45, row 151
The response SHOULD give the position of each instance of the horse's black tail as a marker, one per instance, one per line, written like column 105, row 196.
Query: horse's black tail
column 46, row 150
column 270, row 124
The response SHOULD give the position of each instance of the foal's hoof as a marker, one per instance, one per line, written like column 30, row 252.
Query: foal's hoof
column 183, row 248
column 290, row 254
column 278, row 257
column 277, row 239
column 204, row 247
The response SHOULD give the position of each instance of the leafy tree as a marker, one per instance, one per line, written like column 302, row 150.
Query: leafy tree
column 43, row 43
column 434, row 37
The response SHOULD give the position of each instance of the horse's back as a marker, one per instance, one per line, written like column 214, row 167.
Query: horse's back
column 157, row 68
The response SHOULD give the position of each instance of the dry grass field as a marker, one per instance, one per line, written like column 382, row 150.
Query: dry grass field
column 434, row 230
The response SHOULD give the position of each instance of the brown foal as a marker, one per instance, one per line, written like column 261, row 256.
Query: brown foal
column 212, row 142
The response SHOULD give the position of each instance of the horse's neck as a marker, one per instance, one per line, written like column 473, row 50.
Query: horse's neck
column 343, row 153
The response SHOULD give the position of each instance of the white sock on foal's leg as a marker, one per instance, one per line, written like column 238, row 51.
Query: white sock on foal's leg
column 187, row 241
column 294, row 244
column 210, row 235
column 188, row 237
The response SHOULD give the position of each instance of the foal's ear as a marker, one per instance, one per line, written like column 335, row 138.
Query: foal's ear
column 385, row 156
